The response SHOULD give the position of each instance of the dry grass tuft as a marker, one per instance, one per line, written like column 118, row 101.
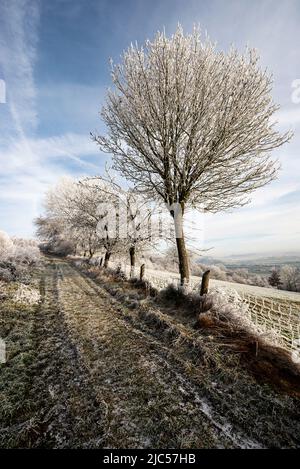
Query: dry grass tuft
column 268, row 362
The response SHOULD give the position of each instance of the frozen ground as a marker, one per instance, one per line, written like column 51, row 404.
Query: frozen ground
column 165, row 276
column 85, row 370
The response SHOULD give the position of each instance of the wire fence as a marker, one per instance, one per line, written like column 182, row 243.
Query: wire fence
column 275, row 317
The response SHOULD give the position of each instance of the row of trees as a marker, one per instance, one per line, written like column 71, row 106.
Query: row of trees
column 286, row 278
column 95, row 214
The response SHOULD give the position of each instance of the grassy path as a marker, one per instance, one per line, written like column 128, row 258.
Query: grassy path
column 145, row 404
column 97, row 375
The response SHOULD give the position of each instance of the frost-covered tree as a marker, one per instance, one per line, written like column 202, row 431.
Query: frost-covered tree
column 97, row 210
column 83, row 214
column 139, row 234
column 191, row 125
column 26, row 251
column 54, row 226
column 16, row 254
column 290, row 278
column 6, row 246
column 56, row 238
column 136, row 219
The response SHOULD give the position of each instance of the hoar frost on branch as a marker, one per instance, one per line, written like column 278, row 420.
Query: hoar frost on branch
column 72, row 213
column 16, row 254
column 138, row 223
column 191, row 125
column 96, row 214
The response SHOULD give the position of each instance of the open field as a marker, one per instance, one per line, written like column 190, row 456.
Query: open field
column 86, row 369
column 161, row 279
column 261, row 265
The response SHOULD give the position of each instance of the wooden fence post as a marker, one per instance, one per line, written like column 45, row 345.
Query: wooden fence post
column 204, row 283
column 142, row 272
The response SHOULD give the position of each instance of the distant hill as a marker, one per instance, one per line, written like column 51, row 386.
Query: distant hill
column 258, row 264
column 289, row 258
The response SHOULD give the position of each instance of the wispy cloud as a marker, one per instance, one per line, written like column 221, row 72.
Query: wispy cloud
column 40, row 151
column 53, row 57
column 28, row 171
column 289, row 116
column 18, row 46
column 19, row 21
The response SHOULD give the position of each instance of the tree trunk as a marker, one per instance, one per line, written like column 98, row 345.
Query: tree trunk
column 106, row 259
column 132, row 261
column 91, row 253
column 101, row 261
column 183, row 260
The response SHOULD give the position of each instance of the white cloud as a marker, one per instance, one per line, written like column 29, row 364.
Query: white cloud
column 272, row 227
column 289, row 116
column 30, row 166
column 18, row 41
column 18, row 47
column 25, row 153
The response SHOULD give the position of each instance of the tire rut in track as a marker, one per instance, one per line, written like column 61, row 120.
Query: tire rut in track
column 67, row 412
column 147, row 402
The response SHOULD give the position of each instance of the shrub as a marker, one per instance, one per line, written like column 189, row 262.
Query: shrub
column 290, row 278
column 59, row 248
column 6, row 246
column 25, row 251
column 6, row 275
column 181, row 297
column 144, row 285
column 15, row 256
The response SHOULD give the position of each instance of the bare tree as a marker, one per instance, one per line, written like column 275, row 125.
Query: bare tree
column 290, row 278
column 84, row 207
column 56, row 237
column 6, row 246
column 136, row 218
column 98, row 208
column 190, row 125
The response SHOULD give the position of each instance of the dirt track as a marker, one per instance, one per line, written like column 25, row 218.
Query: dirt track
column 110, row 385
column 102, row 377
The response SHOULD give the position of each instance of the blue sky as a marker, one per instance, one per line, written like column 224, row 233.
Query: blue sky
column 54, row 58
